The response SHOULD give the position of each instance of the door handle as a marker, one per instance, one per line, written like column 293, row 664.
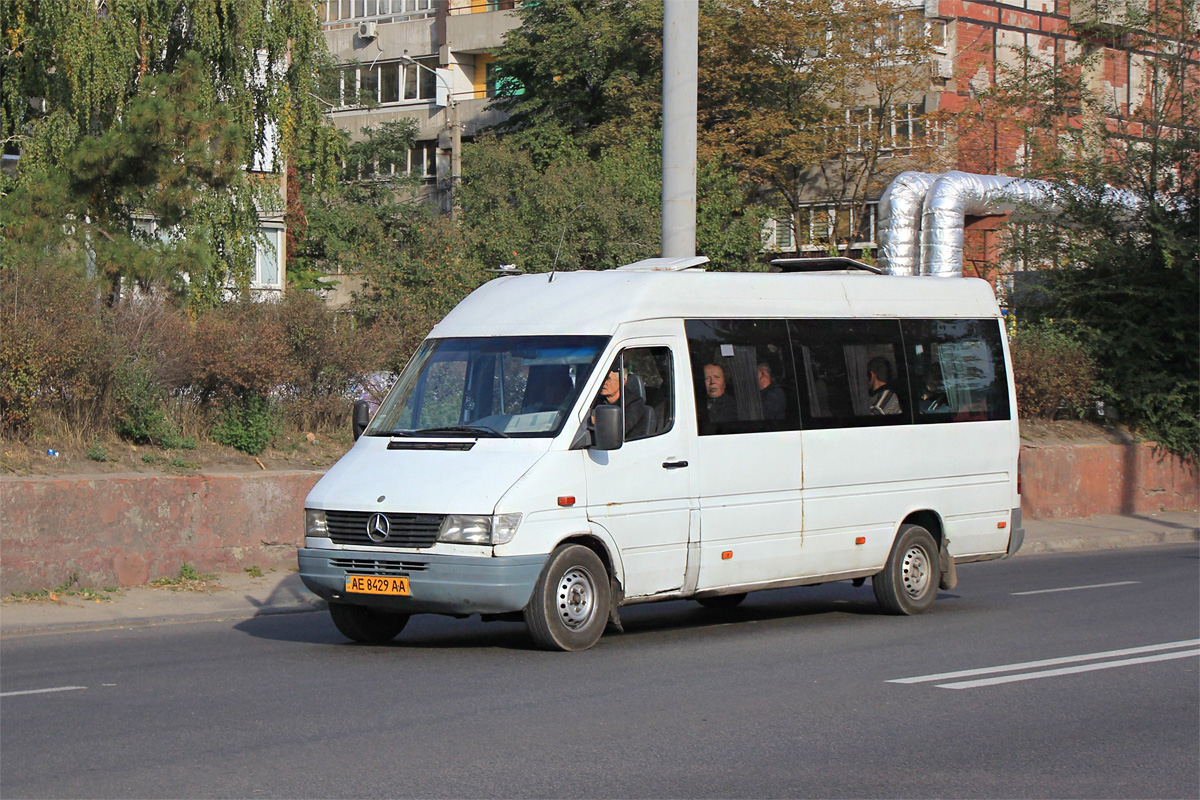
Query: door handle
column 674, row 464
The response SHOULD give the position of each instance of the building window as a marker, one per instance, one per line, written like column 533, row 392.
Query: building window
column 268, row 260
column 388, row 82
column 333, row 12
column 893, row 129
column 820, row 227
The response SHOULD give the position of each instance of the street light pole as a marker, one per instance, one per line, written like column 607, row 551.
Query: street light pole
column 455, row 133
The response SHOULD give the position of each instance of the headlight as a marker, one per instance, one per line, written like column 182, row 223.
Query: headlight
column 473, row 529
column 315, row 524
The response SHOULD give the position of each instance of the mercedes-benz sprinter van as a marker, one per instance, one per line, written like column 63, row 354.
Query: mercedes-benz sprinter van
column 565, row 444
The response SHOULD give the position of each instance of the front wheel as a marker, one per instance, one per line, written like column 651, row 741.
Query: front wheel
column 569, row 607
column 908, row 583
column 368, row 625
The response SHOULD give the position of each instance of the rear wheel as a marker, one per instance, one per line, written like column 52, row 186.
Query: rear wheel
column 722, row 602
column 908, row 583
column 369, row 625
column 569, row 607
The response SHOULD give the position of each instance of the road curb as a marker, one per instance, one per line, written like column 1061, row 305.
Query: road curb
column 1108, row 542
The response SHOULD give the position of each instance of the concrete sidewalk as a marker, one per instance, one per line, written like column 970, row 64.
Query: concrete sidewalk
column 241, row 596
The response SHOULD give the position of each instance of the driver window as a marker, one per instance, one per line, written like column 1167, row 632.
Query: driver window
column 640, row 380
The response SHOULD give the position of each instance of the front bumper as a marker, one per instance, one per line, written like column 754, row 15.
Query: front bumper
column 439, row 584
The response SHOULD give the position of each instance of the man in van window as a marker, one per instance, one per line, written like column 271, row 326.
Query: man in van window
column 879, row 382
column 720, row 405
column 635, row 407
column 774, row 402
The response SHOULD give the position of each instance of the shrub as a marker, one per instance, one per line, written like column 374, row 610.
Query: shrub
column 248, row 424
column 1052, row 369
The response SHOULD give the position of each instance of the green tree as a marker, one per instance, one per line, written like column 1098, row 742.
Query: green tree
column 1120, row 258
column 155, row 110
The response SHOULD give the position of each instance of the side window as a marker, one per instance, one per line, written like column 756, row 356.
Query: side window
column 641, row 381
column 852, row 373
column 742, row 375
column 957, row 369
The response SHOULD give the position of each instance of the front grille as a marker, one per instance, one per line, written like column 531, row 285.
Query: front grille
column 369, row 566
column 406, row 530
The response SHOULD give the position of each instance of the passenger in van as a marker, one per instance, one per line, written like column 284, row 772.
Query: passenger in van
column 933, row 395
column 720, row 405
column 879, row 380
column 774, row 401
column 635, row 405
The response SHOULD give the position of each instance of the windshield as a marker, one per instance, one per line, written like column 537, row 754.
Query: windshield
column 502, row 386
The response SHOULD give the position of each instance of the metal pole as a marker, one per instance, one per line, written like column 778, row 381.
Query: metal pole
column 681, row 20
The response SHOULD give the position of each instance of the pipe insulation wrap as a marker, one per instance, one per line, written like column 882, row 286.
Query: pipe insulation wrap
column 956, row 195
column 898, row 229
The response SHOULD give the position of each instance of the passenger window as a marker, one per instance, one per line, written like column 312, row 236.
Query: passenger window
column 641, row 381
column 957, row 370
column 852, row 373
column 742, row 375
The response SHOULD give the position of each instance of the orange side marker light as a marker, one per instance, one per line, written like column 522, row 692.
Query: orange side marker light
column 1001, row 524
column 728, row 554
column 566, row 500
column 860, row 540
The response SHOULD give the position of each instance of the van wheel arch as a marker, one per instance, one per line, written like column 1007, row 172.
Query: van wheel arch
column 612, row 564
column 929, row 520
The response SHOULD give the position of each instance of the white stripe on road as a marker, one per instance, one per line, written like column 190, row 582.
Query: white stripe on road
column 43, row 691
column 1077, row 588
column 1048, row 662
column 1050, row 673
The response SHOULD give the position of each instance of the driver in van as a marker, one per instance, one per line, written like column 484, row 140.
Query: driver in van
column 610, row 394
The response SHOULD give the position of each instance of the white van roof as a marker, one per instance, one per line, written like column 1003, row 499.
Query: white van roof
column 596, row 302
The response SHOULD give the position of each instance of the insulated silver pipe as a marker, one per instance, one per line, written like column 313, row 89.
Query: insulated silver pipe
column 681, row 20
column 955, row 195
column 899, row 227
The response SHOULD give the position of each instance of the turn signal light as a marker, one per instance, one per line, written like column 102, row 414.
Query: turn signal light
column 728, row 554
column 860, row 540
column 566, row 500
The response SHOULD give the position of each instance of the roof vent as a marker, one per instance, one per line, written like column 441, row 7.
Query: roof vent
column 665, row 264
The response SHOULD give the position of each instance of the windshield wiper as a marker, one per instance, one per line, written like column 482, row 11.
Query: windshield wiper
column 484, row 429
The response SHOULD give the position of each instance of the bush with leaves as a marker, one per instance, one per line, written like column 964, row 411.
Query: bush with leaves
column 1052, row 369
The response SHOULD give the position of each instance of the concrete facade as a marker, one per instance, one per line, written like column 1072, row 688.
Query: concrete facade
column 128, row 530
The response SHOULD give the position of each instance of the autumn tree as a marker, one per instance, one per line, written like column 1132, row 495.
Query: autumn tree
column 816, row 106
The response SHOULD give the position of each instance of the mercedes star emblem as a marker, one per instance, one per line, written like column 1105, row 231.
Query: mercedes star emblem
column 378, row 527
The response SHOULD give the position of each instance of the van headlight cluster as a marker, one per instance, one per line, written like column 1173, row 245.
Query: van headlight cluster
column 315, row 523
column 479, row 529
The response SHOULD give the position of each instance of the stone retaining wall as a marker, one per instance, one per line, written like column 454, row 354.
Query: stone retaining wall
column 129, row 529
column 1081, row 480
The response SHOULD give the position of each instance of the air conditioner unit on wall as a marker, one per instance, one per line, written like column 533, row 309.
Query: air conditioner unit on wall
column 368, row 30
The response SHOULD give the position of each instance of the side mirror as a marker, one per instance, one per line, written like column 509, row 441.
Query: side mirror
column 360, row 417
column 610, row 428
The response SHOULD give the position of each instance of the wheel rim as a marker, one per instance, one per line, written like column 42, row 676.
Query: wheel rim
column 916, row 572
column 576, row 598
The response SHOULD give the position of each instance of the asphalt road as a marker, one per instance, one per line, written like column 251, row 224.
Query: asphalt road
column 799, row 693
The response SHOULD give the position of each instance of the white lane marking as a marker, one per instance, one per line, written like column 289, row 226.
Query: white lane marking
column 1048, row 662
column 1077, row 588
column 43, row 691
column 1050, row 673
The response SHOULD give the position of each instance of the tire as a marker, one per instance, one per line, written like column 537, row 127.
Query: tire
column 908, row 583
column 722, row 602
column 570, row 605
column 368, row 625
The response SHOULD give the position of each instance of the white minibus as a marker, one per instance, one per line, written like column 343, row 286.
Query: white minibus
column 565, row 444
